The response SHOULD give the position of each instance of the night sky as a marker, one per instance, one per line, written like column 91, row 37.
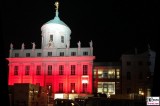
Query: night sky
column 114, row 26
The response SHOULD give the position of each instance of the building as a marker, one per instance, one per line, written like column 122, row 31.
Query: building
column 107, row 78
column 137, row 72
column 56, row 66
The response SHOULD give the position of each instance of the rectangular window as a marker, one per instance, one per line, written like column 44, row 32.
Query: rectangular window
column 118, row 73
column 49, row 53
column 128, row 75
column 15, row 70
column 140, row 76
column 61, row 53
column 85, row 69
column 73, row 87
column 128, row 63
column 60, row 87
column 84, row 87
column 27, row 54
column 51, row 37
column 62, row 39
column 73, row 53
column 39, row 54
column 16, row 54
column 49, row 88
column 85, row 53
column 140, row 63
column 27, row 68
column 38, row 70
column 61, row 70
column 73, row 68
column 49, row 69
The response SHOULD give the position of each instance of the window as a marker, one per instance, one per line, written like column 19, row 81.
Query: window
column 62, row 39
column 85, row 53
column 128, row 75
column 60, row 87
column 49, row 69
column 61, row 70
column 73, row 68
column 39, row 54
column 72, row 87
column 140, row 63
column 49, row 53
column 84, row 87
column 16, row 54
column 128, row 63
column 38, row 70
column 61, row 53
column 27, row 54
column 51, row 37
column 49, row 88
column 27, row 68
column 118, row 73
column 148, row 63
column 128, row 90
column 85, row 69
column 140, row 76
column 73, row 53
column 15, row 70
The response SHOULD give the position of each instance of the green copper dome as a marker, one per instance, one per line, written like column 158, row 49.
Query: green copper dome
column 56, row 20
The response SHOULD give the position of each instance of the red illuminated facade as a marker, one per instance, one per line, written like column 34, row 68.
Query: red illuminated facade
column 56, row 66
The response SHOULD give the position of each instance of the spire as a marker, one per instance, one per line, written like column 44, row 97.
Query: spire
column 57, row 6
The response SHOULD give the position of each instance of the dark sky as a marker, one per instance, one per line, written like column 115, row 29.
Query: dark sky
column 114, row 26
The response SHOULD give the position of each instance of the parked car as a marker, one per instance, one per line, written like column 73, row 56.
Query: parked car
column 65, row 102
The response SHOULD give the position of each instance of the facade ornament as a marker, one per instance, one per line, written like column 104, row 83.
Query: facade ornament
column 68, row 44
column 91, row 44
column 11, row 46
column 33, row 45
column 22, row 47
column 79, row 44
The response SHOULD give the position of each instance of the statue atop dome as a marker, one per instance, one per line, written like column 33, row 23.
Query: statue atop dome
column 57, row 5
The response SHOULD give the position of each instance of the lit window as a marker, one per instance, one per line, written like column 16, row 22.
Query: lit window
column 73, row 87
column 38, row 70
column 16, row 70
column 27, row 68
column 117, row 73
column 61, row 70
column 84, row 87
column 73, row 68
column 60, row 87
column 85, row 69
column 49, row 69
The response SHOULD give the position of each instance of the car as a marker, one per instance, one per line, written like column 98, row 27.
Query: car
column 65, row 102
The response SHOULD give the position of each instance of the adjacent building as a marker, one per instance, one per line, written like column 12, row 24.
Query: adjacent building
column 137, row 72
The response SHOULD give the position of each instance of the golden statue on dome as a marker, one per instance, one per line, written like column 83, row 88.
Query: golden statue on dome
column 57, row 5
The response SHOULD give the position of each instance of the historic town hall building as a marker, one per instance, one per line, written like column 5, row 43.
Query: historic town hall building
column 56, row 66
